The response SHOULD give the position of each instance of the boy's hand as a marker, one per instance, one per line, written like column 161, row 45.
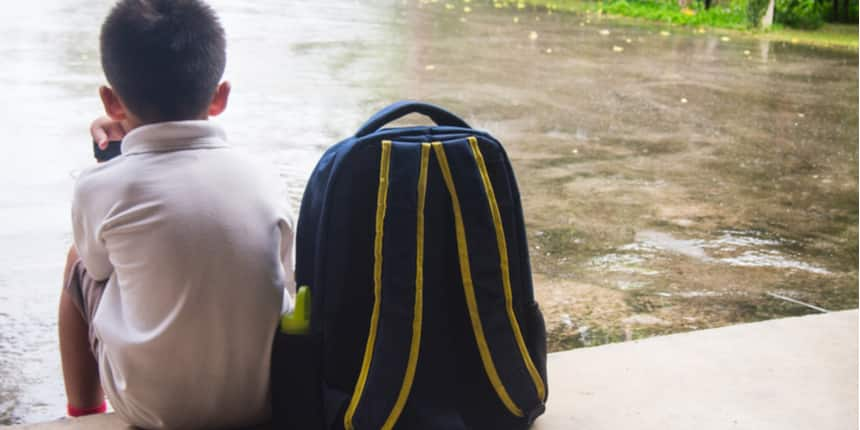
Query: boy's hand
column 104, row 130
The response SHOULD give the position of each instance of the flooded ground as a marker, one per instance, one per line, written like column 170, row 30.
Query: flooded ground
column 672, row 180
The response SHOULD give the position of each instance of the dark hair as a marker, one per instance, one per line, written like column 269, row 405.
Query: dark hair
column 164, row 58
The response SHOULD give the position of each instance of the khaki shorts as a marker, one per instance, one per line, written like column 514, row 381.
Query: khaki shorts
column 86, row 293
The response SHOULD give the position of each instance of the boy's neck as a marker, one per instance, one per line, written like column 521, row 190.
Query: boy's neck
column 131, row 122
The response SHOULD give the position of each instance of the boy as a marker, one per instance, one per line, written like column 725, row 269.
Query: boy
column 182, row 247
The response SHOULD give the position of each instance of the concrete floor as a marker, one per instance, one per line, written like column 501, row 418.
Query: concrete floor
column 794, row 373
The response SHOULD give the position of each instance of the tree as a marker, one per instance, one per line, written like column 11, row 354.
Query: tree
column 767, row 19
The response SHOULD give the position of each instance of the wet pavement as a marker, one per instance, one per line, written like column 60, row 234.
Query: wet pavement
column 672, row 180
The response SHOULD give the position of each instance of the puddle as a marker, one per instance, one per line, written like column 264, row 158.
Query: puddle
column 624, row 263
column 739, row 238
column 630, row 285
column 643, row 319
column 732, row 247
column 771, row 259
column 659, row 241
column 695, row 294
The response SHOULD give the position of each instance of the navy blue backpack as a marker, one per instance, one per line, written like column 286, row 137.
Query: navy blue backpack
column 411, row 241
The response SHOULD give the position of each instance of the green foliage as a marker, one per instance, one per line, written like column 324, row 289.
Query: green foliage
column 847, row 12
column 720, row 15
column 755, row 11
column 804, row 14
column 732, row 14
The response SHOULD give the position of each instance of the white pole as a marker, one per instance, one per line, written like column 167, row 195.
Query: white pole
column 767, row 19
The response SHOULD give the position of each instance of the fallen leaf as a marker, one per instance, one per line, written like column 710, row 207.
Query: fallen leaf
column 430, row 67
column 617, row 48
column 683, row 100
column 665, row 33
column 467, row 9
column 725, row 38
column 533, row 35
column 604, row 32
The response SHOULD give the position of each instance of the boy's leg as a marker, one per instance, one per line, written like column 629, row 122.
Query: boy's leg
column 80, row 368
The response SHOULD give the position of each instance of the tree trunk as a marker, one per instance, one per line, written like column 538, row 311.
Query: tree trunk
column 767, row 19
column 836, row 10
column 708, row 4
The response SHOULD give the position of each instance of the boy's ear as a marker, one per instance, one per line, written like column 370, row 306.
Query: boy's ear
column 219, row 101
column 113, row 107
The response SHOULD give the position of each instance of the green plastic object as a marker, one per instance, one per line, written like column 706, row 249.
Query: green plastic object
column 299, row 320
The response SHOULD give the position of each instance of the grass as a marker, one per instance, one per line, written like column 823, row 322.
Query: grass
column 838, row 35
column 729, row 18
column 722, row 17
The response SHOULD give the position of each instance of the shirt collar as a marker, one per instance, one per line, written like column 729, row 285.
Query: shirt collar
column 174, row 136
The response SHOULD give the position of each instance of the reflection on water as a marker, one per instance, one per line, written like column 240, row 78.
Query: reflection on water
column 667, row 186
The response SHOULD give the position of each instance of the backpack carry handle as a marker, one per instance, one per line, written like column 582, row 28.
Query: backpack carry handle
column 400, row 109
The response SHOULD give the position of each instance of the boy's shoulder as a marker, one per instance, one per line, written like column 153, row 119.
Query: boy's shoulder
column 127, row 175
column 95, row 178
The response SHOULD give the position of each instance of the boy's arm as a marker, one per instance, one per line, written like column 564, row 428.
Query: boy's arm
column 85, row 225
column 107, row 137
column 287, row 247
column 105, row 130
column 286, row 227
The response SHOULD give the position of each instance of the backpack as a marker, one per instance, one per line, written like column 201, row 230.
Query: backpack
column 422, row 314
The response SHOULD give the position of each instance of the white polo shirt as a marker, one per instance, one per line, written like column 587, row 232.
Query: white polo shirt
column 191, row 236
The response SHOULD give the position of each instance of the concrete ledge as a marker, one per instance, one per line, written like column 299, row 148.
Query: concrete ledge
column 795, row 373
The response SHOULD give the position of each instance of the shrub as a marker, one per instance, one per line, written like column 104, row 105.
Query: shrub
column 798, row 13
column 847, row 11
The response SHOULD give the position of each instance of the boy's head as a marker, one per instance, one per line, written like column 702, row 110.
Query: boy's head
column 164, row 60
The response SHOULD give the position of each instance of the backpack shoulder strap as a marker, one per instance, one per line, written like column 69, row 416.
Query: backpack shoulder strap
column 392, row 349
column 486, row 278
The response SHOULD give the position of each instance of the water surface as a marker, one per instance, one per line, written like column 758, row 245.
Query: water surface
column 672, row 180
